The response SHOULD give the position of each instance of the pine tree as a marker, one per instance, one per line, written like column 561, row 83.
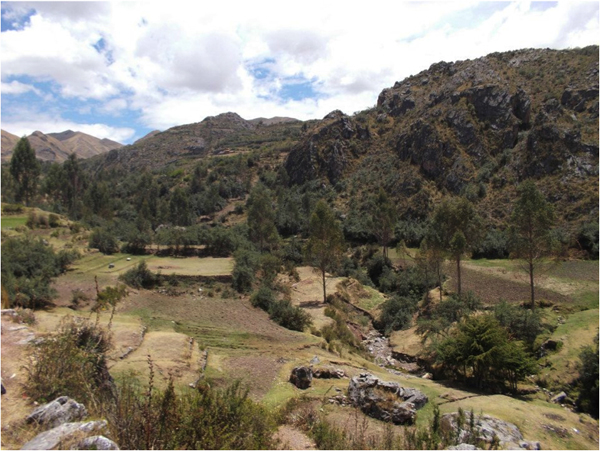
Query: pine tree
column 25, row 170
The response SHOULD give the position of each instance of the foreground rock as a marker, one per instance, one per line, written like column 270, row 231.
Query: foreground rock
column 61, row 410
column 62, row 436
column 301, row 377
column 486, row 429
column 97, row 442
column 386, row 401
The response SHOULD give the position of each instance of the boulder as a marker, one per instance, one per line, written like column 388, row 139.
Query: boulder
column 328, row 373
column 560, row 398
column 96, row 442
column 463, row 446
column 301, row 377
column 54, row 438
column 386, row 401
column 487, row 429
column 61, row 410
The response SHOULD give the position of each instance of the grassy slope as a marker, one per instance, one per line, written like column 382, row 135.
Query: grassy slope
column 244, row 344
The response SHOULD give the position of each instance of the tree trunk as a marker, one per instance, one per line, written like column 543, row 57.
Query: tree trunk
column 532, row 285
column 458, row 275
column 324, row 290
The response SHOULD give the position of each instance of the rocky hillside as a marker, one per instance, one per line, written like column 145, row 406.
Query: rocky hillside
column 224, row 134
column 476, row 128
column 58, row 146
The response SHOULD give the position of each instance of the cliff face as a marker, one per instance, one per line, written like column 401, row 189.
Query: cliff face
column 481, row 125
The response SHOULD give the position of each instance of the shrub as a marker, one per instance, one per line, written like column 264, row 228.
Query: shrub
column 53, row 220
column 244, row 270
column 71, row 362
column 522, row 324
column 588, row 379
column 28, row 267
column 140, row 276
column 289, row 316
column 263, row 298
column 480, row 352
column 205, row 418
column 397, row 313
column 104, row 241
column 587, row 238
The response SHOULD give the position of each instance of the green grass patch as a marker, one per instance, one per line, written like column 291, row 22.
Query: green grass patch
column 374, row 300
column 13, row 221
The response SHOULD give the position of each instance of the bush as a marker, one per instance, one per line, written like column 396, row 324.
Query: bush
column 104, row 241
column 244, row 270
column 205, row 418
column 289, row 316
column 263, row 298
column 28, row 267
column 397, row 313
column 587, row 238
column 522, row 324
column 53, row 220
column 140, row 276
column 588, row 379
column 480, row 352
column 70, row 363
column 494, row 245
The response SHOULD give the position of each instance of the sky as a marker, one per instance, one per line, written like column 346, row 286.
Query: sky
column 119, row 70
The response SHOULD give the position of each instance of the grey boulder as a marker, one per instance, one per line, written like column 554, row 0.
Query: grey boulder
column 56, row 437
column 486, row 429
column 96, row 442
column 61, row 410
column 386, row 401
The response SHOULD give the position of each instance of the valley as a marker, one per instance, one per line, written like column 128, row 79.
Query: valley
column 387, row 246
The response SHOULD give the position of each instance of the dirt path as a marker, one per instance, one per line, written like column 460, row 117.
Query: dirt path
column 15, row 406
column 291, row 438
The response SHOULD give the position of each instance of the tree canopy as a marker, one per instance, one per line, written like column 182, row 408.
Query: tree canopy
column 25, row 170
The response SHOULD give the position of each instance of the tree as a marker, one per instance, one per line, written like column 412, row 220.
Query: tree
column 179, row 208
column 530, row 231
column 325, row 243
column 25, row 170
column 383, row 220
column 480, row 350
column 261, row 218
column 455, row 229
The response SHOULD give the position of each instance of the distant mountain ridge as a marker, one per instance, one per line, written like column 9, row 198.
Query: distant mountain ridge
column 57, row 147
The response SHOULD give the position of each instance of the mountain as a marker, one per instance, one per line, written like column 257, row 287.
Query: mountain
column 58, row 146
column 9, row 141
column 225, row 133
column 476, row 128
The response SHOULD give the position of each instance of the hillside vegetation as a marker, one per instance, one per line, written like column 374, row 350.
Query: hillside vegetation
column 445, row 239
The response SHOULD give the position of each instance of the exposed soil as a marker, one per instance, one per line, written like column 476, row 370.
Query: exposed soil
column 291, row 438
column 494, row 287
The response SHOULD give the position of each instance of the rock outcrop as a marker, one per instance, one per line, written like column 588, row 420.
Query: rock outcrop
column 386, row 401
column 61, row 410
column 486, row 429
column 302, row 377
column 59, row 436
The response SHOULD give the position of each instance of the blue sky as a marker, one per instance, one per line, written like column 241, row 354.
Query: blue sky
column 119, row 70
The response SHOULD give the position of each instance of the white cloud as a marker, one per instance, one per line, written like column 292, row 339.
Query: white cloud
column 16, row 87
column 178, row 62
